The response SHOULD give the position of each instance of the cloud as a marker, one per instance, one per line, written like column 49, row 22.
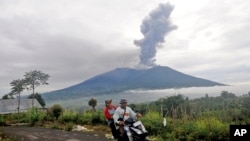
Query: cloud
column 76, row 40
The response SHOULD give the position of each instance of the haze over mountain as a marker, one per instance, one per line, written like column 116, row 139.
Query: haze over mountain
column 124, row 79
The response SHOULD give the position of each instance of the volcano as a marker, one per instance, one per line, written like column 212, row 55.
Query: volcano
column 124, row 79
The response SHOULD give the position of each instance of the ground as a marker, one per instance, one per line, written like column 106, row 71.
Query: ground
column 45, row 134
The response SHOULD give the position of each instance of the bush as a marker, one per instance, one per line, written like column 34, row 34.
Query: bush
column 206, row 128
column 152, row 122
column 69, row 126
column 97, row 118
column 55, row 111
column 85, row 118
column 35, row 115
column 2, row 120
column 15, row 118
column 91, row 118
column 68, row 116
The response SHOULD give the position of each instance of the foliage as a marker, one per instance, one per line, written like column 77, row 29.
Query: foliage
column 152, row 121
column 17, row 86
column 56, row 110
column 226, row 94
column 34, row 79
column 39, row 98
column 69, row 126
column 206, row 118
column 68, row 116
column 35, row 115
column 16, row 89
column 92, row 102
column 206, row 128
column 2, row 120
column 91, row 118
column 7, row 96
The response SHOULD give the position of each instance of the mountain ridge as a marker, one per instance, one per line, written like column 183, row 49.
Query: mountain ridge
column 123, row 79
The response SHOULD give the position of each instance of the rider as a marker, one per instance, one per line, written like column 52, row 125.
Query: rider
column 108, row 113
column 122, row 113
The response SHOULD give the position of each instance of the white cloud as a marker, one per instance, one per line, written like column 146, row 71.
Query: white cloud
column 73, row 40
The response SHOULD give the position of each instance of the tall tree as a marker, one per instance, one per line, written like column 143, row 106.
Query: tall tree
column 17, row 87
column 34, row 79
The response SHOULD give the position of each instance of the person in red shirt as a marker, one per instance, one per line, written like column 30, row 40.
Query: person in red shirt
column 108, row 113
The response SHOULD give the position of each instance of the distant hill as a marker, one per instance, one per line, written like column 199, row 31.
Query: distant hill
column 123, row 79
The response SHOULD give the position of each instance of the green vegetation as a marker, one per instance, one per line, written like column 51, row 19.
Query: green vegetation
column 17, row 86
column 39, row 98
column 206, row 118
column 92, row 102
column 34, row 79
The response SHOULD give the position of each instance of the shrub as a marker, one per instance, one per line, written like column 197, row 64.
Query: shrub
column 152, row 122
column 2, row 120
column 69, row 126
column 91, row 118
column 35, row 115
column 68, row 116
column 85, row 118
column 206, row 128
column 15, row 118
column 56, row 110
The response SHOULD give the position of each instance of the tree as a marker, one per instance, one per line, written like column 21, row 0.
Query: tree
column 7, row 96
column 56, row 110
column 34, row 79
column 226, row 95
column 17, row 87
column 39, row 98
column 93, row 103
column 168, row 104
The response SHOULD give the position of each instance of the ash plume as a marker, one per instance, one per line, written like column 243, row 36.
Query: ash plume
column 154, row 28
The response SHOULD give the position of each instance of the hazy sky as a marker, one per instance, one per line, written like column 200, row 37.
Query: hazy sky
column 73, row 40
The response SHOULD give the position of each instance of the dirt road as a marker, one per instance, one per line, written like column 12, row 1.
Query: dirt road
column 44, row 134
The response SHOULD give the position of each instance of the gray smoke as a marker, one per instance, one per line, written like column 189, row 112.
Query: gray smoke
column 154, row 28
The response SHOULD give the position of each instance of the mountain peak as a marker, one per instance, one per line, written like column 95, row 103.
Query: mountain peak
column 122, row 79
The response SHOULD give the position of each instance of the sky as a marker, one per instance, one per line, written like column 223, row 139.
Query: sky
column 74, row 40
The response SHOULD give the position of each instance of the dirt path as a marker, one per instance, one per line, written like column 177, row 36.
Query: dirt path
column 44, row 134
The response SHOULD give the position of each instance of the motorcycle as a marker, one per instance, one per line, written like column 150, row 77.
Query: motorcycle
column 133, row 131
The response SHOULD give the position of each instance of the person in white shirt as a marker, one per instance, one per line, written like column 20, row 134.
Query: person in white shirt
column 123, row 112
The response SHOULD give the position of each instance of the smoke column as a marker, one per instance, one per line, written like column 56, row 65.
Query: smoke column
column 154, row 28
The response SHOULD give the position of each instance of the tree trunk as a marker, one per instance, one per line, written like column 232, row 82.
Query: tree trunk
column 18, row 105
column 33, row 95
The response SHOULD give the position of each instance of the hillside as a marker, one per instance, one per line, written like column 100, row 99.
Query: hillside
column 123, row 79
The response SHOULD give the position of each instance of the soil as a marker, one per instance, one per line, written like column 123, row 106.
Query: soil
column 45, row 134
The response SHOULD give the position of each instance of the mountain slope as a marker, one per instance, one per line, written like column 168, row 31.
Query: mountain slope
column 122, row 79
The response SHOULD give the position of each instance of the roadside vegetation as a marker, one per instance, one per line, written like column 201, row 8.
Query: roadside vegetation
column 206, row 118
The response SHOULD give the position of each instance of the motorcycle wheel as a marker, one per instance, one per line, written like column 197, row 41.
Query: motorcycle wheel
column 124, row 138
